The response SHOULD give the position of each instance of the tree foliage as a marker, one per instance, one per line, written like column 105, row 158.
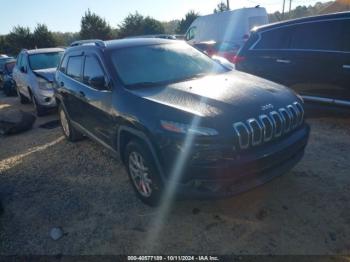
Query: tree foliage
column 65, row 39
column 171, row 26
column 186, row 22
column 42, row 37
column 136, row 24
column 94, row 27
column 19, row 38
column 221, row 7
column 300, row 11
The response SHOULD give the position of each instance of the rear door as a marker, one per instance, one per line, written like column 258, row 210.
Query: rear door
column 266, row 55
column 316, row 47
column 344, row 62
column 70, row 83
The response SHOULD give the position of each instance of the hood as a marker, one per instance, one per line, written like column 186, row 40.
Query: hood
column 48, row 74
column 234, row 94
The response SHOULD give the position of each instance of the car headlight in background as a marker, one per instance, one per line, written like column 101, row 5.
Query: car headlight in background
column 44, row 84
column 187, row 129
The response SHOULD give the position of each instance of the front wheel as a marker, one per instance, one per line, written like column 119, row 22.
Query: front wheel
column 69, row 131
column 22, row 98
column 143, row 173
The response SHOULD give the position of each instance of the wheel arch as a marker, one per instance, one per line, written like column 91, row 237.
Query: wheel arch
column 126, row 134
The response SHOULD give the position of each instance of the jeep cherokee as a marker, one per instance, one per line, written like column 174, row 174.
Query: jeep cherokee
column 180, row 121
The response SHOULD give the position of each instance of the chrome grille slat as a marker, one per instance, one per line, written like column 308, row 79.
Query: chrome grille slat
column 254, row 139
column 266, row 127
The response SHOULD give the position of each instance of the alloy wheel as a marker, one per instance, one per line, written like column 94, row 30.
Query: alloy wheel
column 64, row 123
column 140, row 174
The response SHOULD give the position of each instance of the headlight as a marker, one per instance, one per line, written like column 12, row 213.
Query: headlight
column 187, row 129
column 44, row 85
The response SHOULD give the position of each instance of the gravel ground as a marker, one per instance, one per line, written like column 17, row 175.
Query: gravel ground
column 47, row 182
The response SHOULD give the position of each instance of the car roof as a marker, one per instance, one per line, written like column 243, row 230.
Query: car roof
column 126, row 42
column 44, row 50
column 305, row 19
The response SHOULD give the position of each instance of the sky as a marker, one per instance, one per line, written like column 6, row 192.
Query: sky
column 65, row 15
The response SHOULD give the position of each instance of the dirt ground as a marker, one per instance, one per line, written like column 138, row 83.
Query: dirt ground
column 47, row 182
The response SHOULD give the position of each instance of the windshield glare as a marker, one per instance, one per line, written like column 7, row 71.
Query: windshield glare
column 45, row 60
column 162, row 63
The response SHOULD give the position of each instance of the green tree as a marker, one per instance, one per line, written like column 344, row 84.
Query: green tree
column 185, row 23
column 43, row 37
column 19, row 38
column 221, row 7
column 136, row 24
column 94, row 27
column 65, row 39
column 170, row 27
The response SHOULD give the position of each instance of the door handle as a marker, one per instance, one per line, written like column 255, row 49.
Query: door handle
column 81, row 94
column 61, row 84
column 283, row 61
column 346, row 66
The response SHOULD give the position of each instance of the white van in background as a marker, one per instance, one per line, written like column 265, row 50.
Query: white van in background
column 229, row 26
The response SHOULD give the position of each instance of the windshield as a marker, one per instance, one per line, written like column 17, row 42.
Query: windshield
column 162, row 64
column 44, row 60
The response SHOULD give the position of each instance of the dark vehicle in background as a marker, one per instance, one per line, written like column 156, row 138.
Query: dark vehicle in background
column 3, row 60
column 310, row 55
column 9, row 86
column 178, row 119
column 34, row 74
column 223, row 49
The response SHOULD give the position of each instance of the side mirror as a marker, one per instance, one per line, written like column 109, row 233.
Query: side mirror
column 98, row 83
column 23, row 69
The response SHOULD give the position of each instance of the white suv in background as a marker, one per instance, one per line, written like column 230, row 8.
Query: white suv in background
column 34, row 74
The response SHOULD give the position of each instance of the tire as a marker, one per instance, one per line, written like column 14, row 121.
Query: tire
column 40, row 110
column 71, row 133
column 150, row 189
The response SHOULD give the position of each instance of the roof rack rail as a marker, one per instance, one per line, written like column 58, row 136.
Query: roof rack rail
column 96, row 42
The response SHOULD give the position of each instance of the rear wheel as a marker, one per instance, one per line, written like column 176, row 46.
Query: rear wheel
column 71, row 133
column 143, row 174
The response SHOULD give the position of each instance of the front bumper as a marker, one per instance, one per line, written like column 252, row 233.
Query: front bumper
column 246, row 171
column 46, row 98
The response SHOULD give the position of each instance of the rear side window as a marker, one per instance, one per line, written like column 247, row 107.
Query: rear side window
column 92, row 70
column 63, row 65
column 74, row 67
column 278, row 38
column 324, row 35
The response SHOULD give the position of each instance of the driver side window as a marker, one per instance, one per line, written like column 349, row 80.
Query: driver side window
column 93, row 73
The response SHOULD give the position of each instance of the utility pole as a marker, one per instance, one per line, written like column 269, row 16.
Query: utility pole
column 284, row 3
column 290, row 7
column 228, row 5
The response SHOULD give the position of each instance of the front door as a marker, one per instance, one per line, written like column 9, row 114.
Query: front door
column 96, row 99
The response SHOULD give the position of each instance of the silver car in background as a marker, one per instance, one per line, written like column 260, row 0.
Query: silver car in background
column 34, row 74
